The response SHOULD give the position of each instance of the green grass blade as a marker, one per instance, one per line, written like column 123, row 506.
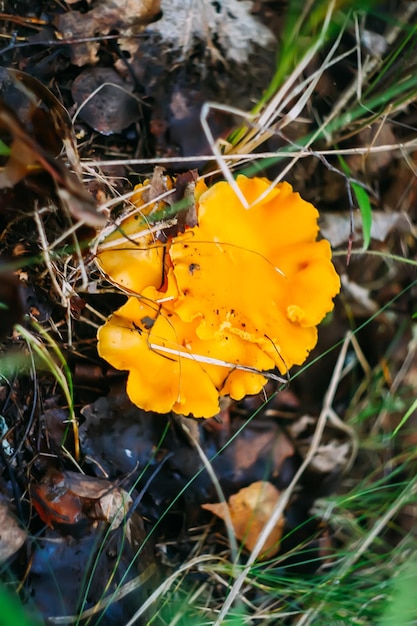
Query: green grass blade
column 366, row 212
column 405, row 417
column 4, row 150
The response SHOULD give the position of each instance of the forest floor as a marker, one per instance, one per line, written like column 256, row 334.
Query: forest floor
column 107, row 509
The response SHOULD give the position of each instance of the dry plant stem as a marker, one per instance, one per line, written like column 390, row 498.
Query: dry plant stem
column 402, row 147
column 383, row 255
column 220, row 494
column 221, row 160
column 361, row 357
column 284, row 499
column 270, row 113
column 264, row 130
column 65, row 235
column 53, row 271
column 66, row 291
column 212, row 361
column 371, row 63
column 133, row 237
column 45, row 253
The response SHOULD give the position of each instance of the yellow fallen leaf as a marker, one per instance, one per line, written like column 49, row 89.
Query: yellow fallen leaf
column 250, row 509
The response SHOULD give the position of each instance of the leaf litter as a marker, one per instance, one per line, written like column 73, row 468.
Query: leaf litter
column 135, row 506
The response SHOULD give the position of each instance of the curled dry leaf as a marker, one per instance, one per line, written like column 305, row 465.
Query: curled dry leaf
column 249, row 510
column 68, row 497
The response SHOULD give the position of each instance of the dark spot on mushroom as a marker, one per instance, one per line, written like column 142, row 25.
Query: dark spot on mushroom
column 148, row 322
column 193, row 267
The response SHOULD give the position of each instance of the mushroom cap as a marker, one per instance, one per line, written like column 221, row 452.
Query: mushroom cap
column 222, row 303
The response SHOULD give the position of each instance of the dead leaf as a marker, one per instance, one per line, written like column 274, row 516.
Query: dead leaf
column 336, row 226
column 258, row 453
column 229, row 22
column 250, row 509
column 114, row 506
column 112, row 503
column 54, row 503
column 68, row 497
column 264, row 440
column 331, row 456
column 27, row 159
column 358, row 297
column 112, row 108
column 12, row 536
column 127, row 17
column 55, row 123
column 372, row 162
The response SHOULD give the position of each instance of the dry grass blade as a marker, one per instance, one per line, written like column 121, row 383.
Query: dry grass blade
column 326, row 414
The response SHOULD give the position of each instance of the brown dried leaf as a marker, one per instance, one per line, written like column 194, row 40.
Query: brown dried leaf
column 249, row 510
column 127, row 17
column 54, row 502
column 264, row 440
column 114, row 506
column 28, row 158
column 113, row 502
column 86, row 487
column 68, row 497
column 12, row 536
